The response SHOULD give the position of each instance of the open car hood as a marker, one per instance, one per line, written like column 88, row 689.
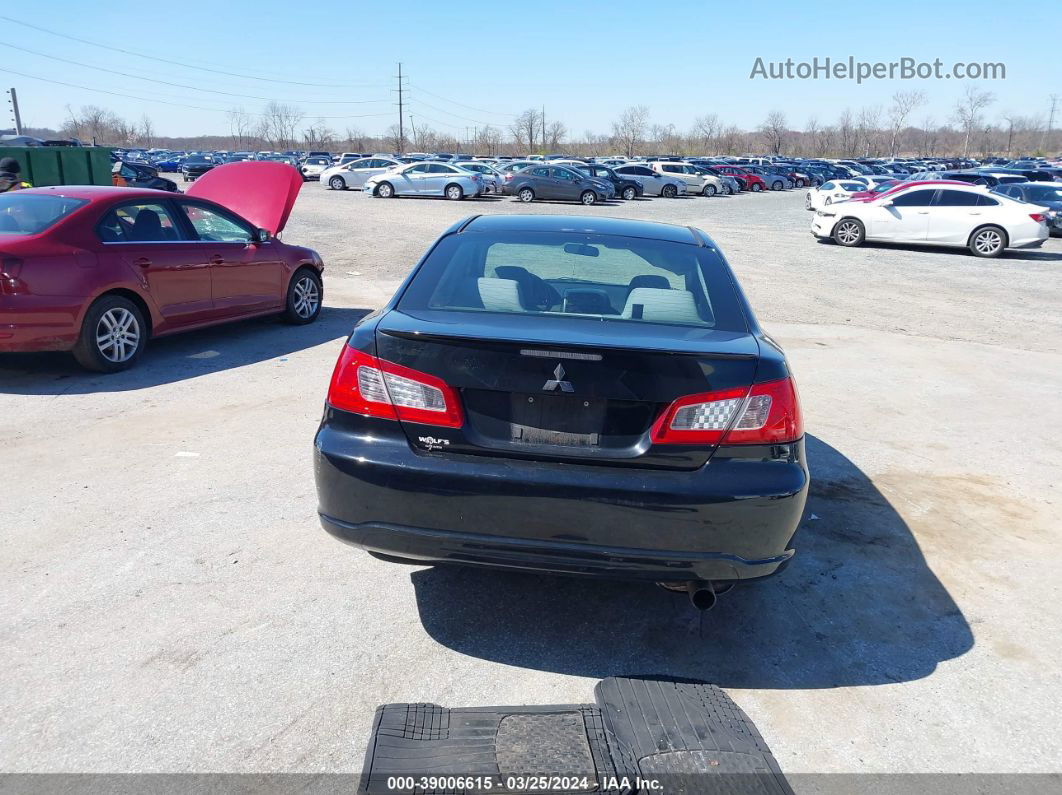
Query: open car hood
column 261, row 191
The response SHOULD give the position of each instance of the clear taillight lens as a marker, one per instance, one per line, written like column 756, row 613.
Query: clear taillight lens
column 766, row 413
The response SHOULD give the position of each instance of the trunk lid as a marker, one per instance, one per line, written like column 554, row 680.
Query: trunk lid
column 559, row 388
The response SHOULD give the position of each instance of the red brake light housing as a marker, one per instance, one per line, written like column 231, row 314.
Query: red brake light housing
column 767, row 413
column 1038, row 217
column 364, row 384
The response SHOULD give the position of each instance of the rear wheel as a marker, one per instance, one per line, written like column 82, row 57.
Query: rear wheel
column 385, row 190
column 629, row 194
column 756, row 187
column 525, row 195
column 113, row 335
column 588, row 197
column 849, row 232
column 337, row 183
column 988, row 241
column 709, row 190
column 799, row 183
column 454, row 192
column 303, row 303
column 777, row 185
column 669, row 191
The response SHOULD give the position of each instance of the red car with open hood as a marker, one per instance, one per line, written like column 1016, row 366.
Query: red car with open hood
column 99, row 270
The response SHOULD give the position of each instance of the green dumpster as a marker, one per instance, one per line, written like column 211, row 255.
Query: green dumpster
column 62, row 165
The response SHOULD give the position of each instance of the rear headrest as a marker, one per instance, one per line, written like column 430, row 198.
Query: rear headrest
column 661, row 306
column 500, row 295
column 653, row 280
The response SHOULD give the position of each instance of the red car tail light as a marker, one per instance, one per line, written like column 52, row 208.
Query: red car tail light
column 10, row 284
column 364, row 384
column 1038, row 217
column 767, row 413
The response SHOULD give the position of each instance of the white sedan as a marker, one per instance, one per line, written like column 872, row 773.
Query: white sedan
column 353, row 174
column 833, row 191
column 966, row 216
column 425, row 179
column 313, row 167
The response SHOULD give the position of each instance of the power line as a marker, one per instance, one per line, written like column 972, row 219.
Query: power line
column 462, row 104
column 451, row 113
column 185, row 65
column 192, row 88
column 162, row 101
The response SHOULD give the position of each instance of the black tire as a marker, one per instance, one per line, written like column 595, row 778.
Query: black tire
column 385, row 190
column 525, row 195
column 100, row 346
column 454, row 192
column 305, row 296
column 709, row 190
column 987, row 241
column 669, row 191
column 777, row 185
column 756, row 187
column 337, row 183
column 849, row 232
column 629, row 194
column 799, row 183
column 588, row 197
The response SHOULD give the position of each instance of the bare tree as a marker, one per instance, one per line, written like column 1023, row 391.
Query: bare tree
column 146, row 134
column 846, row 133
column 355, row 139
column 730, row 139
column 281, row 123
column 929, row 137
column 824, row 140
column 868, row 128
column 968, row 112
column 525, row 129
column 241, row 126
column 774, row 130
column 705, row 128
column 555, row 134
column 392, row 139
column 629, row 131
column 491, row 138
column 903, row 103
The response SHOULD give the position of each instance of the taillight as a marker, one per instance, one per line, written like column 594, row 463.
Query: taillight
column 1038, row 217
column 766, row 413
column 508, row 177
column 10, row 284
column 364, row 384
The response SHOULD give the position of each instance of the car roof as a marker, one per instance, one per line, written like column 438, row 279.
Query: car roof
column 621, row 227
column 97, row 192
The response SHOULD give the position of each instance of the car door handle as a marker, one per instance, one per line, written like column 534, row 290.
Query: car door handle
column 217, row 260
column 923, row 212
column 975, row 213
column 143, row 262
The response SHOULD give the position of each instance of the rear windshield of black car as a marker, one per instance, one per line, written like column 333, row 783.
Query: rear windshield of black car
column 30, row 213
column 591, row 277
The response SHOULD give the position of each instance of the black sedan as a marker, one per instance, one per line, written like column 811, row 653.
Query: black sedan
column 196, row 166
column 571, row 395
column 140, row 175
column 1045, row 194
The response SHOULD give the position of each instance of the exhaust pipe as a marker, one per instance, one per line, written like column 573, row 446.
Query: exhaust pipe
column 702, row 594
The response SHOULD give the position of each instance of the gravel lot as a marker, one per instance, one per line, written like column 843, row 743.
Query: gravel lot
column 170, row 602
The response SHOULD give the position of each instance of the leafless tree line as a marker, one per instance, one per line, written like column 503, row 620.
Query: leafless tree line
column 907, row 126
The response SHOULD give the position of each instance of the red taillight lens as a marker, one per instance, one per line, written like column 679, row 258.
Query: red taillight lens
column 1038, row 217
column 364, row 384
column 766, row 413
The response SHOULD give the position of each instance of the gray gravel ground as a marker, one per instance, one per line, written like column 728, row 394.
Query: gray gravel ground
column 169, row 602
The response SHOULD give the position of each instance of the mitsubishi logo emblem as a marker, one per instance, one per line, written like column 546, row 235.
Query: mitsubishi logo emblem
column 558, row 382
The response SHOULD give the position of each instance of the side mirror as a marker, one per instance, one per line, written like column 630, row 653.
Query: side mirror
column 262, row 235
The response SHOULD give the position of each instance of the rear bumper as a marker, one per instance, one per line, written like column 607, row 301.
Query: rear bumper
column 558, row 557
column 38, row 323
column 732, row 519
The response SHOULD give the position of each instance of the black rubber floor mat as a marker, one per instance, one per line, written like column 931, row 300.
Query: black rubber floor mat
column 643, row 735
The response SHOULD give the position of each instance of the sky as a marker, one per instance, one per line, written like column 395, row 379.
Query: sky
column 472, row 63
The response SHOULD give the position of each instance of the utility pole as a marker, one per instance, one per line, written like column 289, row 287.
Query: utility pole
column 544, row 152
column 14, row 110
column 401, row 116
column 413, row 127
column 1043, row 139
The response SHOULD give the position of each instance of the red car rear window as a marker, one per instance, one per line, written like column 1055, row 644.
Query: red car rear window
column 31, row 213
